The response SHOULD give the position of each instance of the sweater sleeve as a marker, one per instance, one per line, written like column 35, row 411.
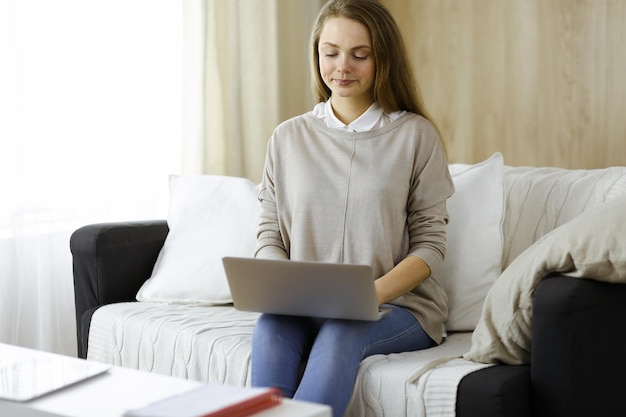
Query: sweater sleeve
column 270, row 243
column 427, row 216
column 427, row 234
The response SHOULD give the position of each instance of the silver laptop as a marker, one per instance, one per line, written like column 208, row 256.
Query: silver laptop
column 312, row 289
column 26, row 374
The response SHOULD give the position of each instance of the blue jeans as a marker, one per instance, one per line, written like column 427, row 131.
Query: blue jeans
column 317, row 360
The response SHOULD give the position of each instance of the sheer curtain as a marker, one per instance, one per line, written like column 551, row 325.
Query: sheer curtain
column 101, row 100
column 246, row 70
column 90, row 129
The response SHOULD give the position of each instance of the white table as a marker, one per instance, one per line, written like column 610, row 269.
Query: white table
column 120, row 389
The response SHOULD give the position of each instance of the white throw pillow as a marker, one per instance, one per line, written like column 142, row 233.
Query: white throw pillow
column 475, row 242
column 210, row 217
column 591, row 246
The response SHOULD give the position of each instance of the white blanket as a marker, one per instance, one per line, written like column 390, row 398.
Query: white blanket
column 212, row 344
column 207, row 344
column 438, row 387
column 429, row 379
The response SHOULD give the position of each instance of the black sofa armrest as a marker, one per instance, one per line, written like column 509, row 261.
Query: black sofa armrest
column 578, row 348
column 496, row 391
column 577, row 358
column 110, row 263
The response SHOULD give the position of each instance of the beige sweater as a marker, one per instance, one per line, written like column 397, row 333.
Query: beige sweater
column 359, row 197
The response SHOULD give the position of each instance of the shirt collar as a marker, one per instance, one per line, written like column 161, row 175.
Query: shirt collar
column 364, row 123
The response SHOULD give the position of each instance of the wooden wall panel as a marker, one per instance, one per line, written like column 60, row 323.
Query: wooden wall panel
column 542, row 81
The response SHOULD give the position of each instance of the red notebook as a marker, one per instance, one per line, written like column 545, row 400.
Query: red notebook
column 212, row 401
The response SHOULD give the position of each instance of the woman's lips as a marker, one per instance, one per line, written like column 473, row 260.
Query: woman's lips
column 343, row 83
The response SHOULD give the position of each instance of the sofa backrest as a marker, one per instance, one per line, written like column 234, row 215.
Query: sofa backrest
column 537, row 200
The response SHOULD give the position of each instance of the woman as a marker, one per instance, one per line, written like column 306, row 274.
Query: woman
column 361, row 179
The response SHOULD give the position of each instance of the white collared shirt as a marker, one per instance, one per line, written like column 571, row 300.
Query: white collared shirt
column 373, row 118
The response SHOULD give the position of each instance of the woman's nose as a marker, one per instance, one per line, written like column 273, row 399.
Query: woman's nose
column 343, row 65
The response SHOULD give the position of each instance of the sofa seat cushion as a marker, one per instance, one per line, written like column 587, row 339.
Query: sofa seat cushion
column 207, row 344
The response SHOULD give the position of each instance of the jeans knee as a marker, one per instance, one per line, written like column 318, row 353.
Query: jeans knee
column 341, row 338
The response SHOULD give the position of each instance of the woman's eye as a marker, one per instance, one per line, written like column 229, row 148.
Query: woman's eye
column 360, row 57
column 330, row 54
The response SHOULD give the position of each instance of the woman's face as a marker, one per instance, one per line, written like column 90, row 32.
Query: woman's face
column 346, row 60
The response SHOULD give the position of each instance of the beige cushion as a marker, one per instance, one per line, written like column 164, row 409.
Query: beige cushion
column 593, row 245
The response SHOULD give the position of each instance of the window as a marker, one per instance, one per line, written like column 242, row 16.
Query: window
column 90, row 129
